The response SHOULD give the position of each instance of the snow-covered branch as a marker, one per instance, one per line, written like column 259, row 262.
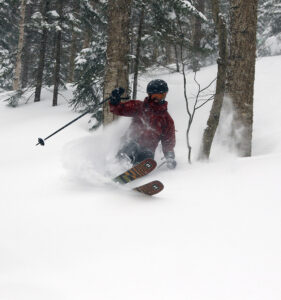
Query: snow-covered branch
column 192, row 8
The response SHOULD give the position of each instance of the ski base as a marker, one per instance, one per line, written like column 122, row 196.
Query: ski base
column 137, row 171
column 151, row 188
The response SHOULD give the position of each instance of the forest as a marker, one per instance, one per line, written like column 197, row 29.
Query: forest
column 200, row 218
column 97, row 45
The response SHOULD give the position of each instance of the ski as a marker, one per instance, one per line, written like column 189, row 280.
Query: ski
column 137, row 171
column 151, row 188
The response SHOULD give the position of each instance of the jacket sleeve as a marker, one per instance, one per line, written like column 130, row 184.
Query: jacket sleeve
column 168, row 139
column 127, row 109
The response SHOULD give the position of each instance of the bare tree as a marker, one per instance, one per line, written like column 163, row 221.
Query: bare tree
column 200, row 99
column 241, row 71
column 191, row 108
column 214, row 116
column 18, row 66
column 118, row 49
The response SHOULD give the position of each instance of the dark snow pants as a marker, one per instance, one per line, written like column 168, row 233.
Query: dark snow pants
column 134, row 152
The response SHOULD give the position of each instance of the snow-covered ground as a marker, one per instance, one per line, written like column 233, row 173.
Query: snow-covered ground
column 67, row 232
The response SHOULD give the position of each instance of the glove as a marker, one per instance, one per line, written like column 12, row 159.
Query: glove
column 115, row 97
column 170, row 159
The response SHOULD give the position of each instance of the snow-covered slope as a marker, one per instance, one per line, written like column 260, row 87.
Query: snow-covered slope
column 67, row 232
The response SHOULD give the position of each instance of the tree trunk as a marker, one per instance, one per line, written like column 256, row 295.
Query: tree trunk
column 18, row 66
column 118, row 49
column 87, row 39
column 214, row 116
column 138, row 48
column 177, row 58
column 73, row 47
column 197, row 35
column 58, row 55
column 42, row 54
column 241, row 71
column 26, row 57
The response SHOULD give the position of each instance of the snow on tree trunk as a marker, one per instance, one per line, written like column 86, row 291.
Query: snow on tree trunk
column 118, row 49
column 18, row 66
column 241, row 71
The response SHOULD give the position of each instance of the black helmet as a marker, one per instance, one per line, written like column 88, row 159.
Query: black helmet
column 157, row 86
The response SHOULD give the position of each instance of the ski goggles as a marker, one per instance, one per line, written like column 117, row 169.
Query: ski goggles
column 158, row 96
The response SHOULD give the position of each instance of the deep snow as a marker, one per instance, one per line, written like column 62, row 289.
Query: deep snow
column 67, row 232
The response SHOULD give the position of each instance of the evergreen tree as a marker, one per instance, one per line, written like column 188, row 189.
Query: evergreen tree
column 9, row 18
column 269, row 27
column 167, row 25
column 90, row 61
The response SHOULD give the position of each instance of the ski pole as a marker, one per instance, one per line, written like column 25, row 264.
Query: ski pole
column 42, row 141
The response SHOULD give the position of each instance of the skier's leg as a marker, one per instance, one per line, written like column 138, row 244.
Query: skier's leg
column 128, row 152
column 143, row 154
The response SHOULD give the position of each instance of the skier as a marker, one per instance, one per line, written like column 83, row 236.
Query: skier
column 151, row 123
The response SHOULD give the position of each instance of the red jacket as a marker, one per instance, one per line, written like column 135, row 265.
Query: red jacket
column 151, row 123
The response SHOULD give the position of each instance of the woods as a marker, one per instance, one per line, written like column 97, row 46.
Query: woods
column 99, row 45
column 140, row 149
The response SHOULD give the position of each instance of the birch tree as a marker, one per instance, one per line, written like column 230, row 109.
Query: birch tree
column 118, row 49
column 241, row 71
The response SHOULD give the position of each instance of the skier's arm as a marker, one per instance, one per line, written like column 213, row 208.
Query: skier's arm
column 128, row 109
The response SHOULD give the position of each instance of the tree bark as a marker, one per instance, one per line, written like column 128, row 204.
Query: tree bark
column 18, row 66
column 73, row 47
column 177, row 58
column 214, row 116
column 42, row 54
column 241, row 71
column 58, row 54
column 26, row 57
column 197, row 35
column 118, row 49
column 87, row 39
